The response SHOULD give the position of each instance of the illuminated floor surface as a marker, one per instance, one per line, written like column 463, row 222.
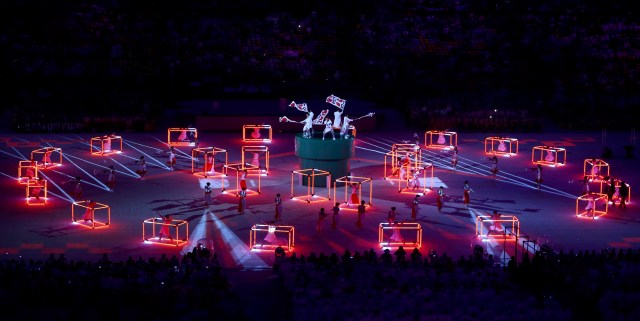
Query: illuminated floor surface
column 546, row 216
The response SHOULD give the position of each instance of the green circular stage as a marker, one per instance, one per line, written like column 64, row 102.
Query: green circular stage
column 329, row 155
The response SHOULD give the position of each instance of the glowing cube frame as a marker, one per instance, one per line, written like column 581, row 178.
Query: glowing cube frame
column 208, row 153
column 427, row 173
column 347, row 181
column 257, row 243
column 35, row 184
column 386, row 229
column 599, row 200
column 239, row 168
column 492, row 146
column 23, row 166
column 55, row 161
column 173, row 141
column 538, row 155
column 310, row 174
column 99, row 207
column 510, row 233
column 97, row 145
column 431, row 138
column 249, row 130
column 602, row 166
column 251, row 168
column 395, row 155
column 177, row 225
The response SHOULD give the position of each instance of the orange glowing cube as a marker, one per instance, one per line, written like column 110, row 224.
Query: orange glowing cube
column 182, row 137
column 240, row 168
column 440, row 139
column 178, row 229
column 407, row 156
column 51, row 157
column 265, row 237
column 346, row 182
column 106, row 145
column 208, row 167
column 252, row 162
column 310, row 175
column 36, row 190
column 592, row 205
column 390, row 235
column 501, row 146
column 492, row 227
column 548, row 155
column 87, row 211
column 595, row 169
column 406, row 185
column 257, row 133
column 27, row 170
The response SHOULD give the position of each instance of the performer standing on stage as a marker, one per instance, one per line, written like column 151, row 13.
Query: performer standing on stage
column 172, row 158
column 415, row 180
column 466, row 194
column 243, row 179
column 111, row 179
column 207, row 195
column 624, row 194
column 496, row 226
column 361, row 211
column 35, row 192
column 415, row 207
column 494, row 165
column 164, row 230
column 88, row 214
column 591, row 204
column 242, row 202
column 344, row 130
column 307, row 129
column 391, row 216
column 77, row 190
column 183, row 135
column 328, row 128
column 46, row 158
column 278, row 202
column 29, row 172
column 355, row 198
column 336, row 215
column 142, row 167
column 321, row 216
column 454, row 158
column 440, row 199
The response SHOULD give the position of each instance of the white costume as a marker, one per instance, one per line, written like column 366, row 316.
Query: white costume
column 308, row 125
column 337, row 119
column 549, row 157
column 106, row 146
column 344, row 130
column 183, row 135
column 271, row 235
column 328, row 128
column 502, row 147
column 441, row 139
column 415, row 180
column 396, row 236
column 256, row 160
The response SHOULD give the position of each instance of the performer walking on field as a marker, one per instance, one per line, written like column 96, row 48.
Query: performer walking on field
column 207, row 195
column 321, row 216
column 361, row 211
column 355, row 198
column 466, row 194
column 242, row 202
column 142, row 167
column 164, row 230
column 415, row 207
column 172, row 158
column 278, row 215
column 336, row 215
column 494, row 165
column 454, row 158
column 440, row 199
column 111, row 179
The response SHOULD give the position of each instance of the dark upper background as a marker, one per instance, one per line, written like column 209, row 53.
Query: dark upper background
column 95, row 65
